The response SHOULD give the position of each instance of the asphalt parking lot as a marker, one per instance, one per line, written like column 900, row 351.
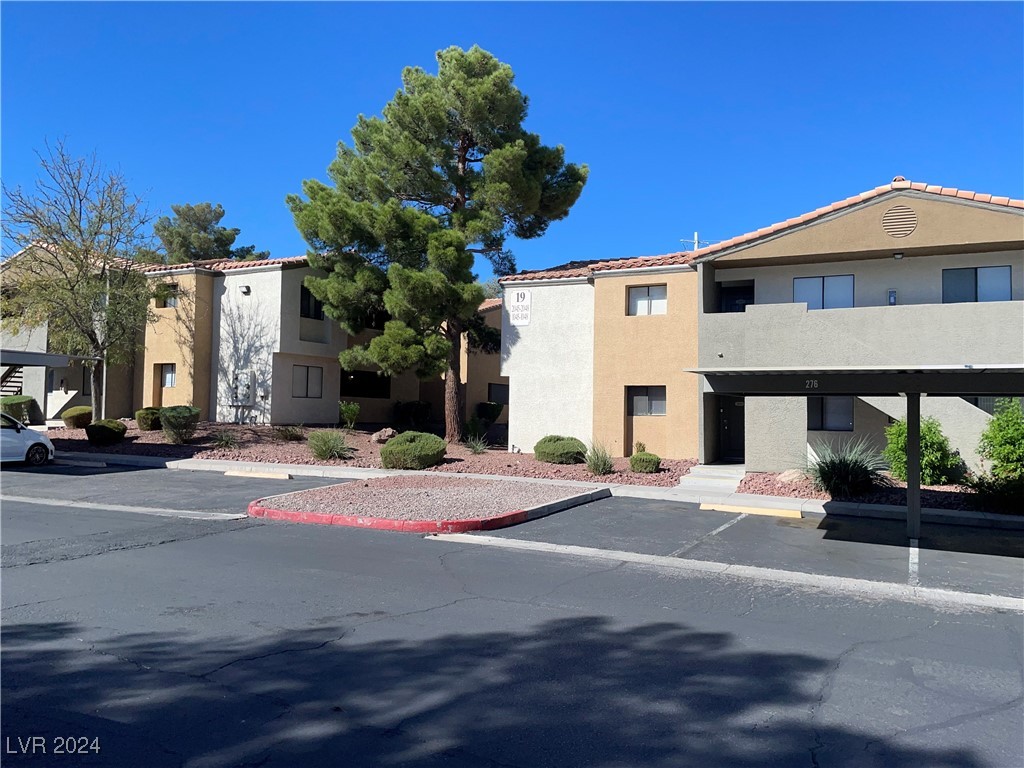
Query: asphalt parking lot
column 947, row 557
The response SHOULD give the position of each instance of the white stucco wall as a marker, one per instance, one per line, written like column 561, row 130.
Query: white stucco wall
column 550, row 364
column 246, row 334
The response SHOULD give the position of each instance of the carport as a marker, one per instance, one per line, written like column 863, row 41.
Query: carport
column 909, row 382
column 13, row 360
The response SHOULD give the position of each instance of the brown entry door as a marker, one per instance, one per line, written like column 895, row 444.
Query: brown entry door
column 730, row 429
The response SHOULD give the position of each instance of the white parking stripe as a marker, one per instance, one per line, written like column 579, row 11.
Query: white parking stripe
column 707, row 536
column 67, row 503
column 937, row 598
column 912, row 564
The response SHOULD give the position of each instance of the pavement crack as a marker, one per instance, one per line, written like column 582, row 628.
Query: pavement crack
column 587, row 575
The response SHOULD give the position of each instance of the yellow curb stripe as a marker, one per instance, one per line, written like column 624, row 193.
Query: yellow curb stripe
column 263, row 475
column 752, row 510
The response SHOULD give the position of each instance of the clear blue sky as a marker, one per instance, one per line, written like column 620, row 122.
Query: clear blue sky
column 713, row 117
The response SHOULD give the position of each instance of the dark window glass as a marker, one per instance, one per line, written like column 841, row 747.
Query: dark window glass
column 307, row 381
column 830, row 414
column 832, row 292
column 959, row 285
column 309, row 305
column 497, row 393
column 993, row 283
column 735, row 298
column 645, row 401
column 365, row 384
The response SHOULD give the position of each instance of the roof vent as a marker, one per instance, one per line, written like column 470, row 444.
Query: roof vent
column 897, row 178
column 899, row 221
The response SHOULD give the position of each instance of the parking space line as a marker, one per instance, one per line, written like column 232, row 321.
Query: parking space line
column 71, row 504
column 706, row 536
column 912, row 563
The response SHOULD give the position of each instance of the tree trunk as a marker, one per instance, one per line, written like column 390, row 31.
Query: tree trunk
column 454, row 397
column 97, row 391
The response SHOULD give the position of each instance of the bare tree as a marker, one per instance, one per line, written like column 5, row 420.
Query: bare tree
column 75, row 237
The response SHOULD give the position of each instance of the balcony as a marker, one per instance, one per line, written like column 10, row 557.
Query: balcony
column 788, row 335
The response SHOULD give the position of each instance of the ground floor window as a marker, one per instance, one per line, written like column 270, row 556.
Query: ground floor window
column 830, row 414
column 168, row 374
column 365, row 384
column 307, row 381
column 645, row 401
column 497, row 393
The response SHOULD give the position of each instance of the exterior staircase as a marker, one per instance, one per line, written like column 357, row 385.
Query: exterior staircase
column 712, row 478
column 11, row 380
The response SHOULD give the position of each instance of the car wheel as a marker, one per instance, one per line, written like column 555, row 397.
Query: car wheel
column 37, row 455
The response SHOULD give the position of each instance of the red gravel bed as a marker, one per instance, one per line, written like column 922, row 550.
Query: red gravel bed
column 423, row 498
column 894, row 492
column 258, row 444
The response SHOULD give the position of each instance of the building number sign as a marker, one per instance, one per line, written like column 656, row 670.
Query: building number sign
column 519, row 308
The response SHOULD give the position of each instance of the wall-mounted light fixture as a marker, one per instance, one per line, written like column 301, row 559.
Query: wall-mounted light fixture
column 898, row 255
column 246, row 290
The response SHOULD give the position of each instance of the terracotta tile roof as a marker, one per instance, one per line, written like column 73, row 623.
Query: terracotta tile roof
column 229, row 265
column 588, row 268
column 489, row 304
column 220, row 265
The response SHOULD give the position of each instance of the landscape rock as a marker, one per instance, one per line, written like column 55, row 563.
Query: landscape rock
column 383, row 435
column 791, row 476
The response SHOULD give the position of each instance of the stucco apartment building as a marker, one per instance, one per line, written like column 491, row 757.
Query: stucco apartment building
column 246, row 342
column 907, row 275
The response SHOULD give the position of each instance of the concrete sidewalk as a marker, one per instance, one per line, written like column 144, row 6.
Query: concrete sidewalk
column 753, row 503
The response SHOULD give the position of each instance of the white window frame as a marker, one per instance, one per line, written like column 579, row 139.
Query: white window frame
column 646, row 300
column 165, row 369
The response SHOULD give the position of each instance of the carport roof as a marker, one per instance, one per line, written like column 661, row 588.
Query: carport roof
column 35, row 359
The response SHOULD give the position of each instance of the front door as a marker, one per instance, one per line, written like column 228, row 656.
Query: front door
column 730, row 428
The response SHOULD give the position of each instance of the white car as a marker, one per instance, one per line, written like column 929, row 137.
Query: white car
column 19, row 443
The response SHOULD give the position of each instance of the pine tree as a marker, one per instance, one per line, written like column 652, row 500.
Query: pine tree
column 447, row 173
column 195, row 234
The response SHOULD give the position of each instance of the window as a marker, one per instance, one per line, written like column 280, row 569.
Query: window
column 645, row 401
column 307, row 381
column 975, row 284
column 735, row 296
column 168, row 374
column 648, row 300
column 309, row 305
column 497, row 393
column 7, row 422
column 832, row 292
column 830, row 414
column 87, row 381
column 365, row 384
column 168, row 296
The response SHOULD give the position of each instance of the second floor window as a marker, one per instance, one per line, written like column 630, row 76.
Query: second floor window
column 830, row 292
column 648, row 300
column 975, row 284
column 168, row 296
column 310, row 306
column 168, row 375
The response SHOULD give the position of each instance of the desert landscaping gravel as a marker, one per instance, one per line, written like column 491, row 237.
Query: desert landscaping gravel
column 423, row 498
column 258, row 443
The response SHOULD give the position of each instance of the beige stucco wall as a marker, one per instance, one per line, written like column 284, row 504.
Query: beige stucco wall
column 479, row 370
column 286, row 409
column 942, row 223
column 648, row 350
column 182, row 335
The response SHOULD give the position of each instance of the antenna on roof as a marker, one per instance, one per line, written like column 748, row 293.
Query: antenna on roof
column 696, row 242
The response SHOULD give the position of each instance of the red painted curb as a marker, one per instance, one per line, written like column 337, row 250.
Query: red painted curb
column 385, row 524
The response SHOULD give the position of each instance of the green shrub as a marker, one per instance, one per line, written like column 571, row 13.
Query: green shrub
column 349, row 412
column 1002, row 442
column 488, row 412
column 288, row 434
column 940, row 464
column 19, row 407
column 148, row 419
column 411, row 415
column 476, row 444
column 848, row 470
column 599, row 460
column 77, row 417
column 225, row 438
column 556, row 449
column 999, row 494
column 329, row 444
column 105, row 432
column 645, row 462
column 412, row 450
column 639, row 447
column 179, row 422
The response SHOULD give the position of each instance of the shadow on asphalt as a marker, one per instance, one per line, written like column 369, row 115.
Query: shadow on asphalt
column 63, row 470
column 571, row 692
column 945, row 538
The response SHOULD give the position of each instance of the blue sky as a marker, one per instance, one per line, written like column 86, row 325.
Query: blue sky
column 720, row 118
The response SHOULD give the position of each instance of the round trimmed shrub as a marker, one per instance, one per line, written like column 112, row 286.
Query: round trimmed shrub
column 644, row 462
column 148, row 419
column 18, row 407
column 179, row 422
column 77, row 417
column 105, row 432
column 557, row 449
column 412, row 450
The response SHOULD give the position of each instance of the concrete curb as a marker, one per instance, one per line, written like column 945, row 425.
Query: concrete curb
column 256, row 509
column 807, row 507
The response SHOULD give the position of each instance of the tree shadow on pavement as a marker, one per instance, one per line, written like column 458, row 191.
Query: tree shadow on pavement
column 573, row 692
column 935, row 536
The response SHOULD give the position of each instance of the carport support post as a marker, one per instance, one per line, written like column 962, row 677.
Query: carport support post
column 913, row 465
